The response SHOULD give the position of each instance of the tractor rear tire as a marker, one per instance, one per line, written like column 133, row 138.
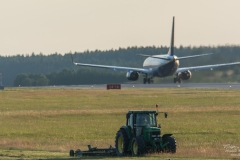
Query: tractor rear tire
column 172, row 145
column 121, row 142
column 138, row 146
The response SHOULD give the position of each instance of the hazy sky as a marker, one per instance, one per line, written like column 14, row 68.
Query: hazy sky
column 50, row 26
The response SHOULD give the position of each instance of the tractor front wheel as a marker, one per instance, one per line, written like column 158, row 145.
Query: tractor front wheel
column 121, row 142
column 171, row 146
column 138, row 146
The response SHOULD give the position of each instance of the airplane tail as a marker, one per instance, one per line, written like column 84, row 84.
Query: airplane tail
column 171, row 48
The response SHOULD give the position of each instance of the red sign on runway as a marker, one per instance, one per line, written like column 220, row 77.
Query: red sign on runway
column 113, row 86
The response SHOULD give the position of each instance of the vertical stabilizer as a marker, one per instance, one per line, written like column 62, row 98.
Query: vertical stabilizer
column 171, row 48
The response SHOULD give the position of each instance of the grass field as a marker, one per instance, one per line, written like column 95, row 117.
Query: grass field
column 47, row 123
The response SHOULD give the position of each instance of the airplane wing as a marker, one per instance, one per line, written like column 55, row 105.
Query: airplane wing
column 196, row 68
column 115, row 68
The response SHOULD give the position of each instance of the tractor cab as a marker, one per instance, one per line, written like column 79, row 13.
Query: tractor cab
column 141, row 118
column 141, row 121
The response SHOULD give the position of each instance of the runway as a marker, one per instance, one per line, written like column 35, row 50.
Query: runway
column 167, row 85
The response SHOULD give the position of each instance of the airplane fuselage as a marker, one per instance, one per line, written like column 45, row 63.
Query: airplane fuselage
column 161, row 67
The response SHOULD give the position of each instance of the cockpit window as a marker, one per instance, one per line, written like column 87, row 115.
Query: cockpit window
column 144, row 119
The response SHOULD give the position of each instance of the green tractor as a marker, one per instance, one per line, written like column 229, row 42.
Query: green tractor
column 142, row 135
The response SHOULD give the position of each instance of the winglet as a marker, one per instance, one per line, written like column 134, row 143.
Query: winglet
column 171, row 48
column 72, row 58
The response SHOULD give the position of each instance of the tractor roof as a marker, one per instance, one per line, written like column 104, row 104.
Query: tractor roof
column 142, row 111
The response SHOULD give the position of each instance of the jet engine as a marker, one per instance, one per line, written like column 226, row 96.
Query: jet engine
column 185, row 75
column 132, row 75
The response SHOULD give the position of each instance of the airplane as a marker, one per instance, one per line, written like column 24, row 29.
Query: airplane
column 160, row 66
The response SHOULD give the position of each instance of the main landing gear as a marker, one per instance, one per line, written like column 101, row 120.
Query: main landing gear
column 177, row 79
column 147, row 80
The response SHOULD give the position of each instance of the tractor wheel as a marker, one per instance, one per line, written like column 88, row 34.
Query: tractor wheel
column 71, row 153
column 121, row 142
column 171, row 146
column 138, row 146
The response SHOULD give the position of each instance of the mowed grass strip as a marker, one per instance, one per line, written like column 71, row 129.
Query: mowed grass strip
column 202, row 120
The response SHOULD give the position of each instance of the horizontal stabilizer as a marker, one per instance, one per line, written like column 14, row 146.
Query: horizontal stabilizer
column 193, row 56
column 153, row 56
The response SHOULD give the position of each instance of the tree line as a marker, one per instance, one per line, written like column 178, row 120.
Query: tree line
column 68, row 77
column 57, row 69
